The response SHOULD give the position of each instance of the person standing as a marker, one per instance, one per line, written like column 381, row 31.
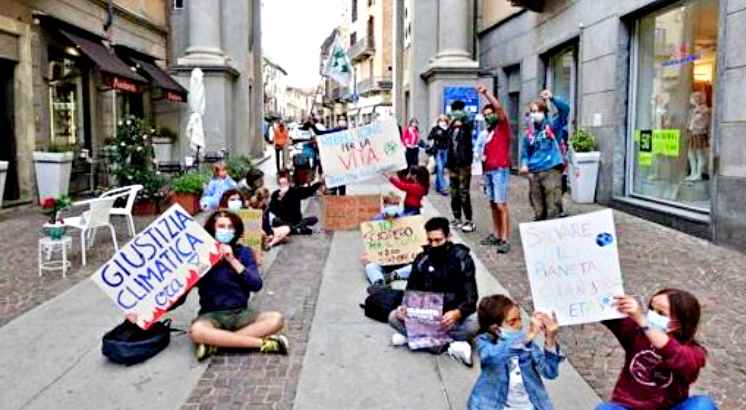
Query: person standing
column 439, row 137
column 493, row 149
column 541, row 158
column 281, row 137
column 460, row 157
column 411, row 141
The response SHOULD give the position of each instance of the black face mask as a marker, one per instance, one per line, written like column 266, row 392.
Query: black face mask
column 438, row 253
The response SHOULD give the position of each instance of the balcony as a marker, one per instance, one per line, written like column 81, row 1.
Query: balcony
column 371, row 85
column 362, row 49
column 533, row 5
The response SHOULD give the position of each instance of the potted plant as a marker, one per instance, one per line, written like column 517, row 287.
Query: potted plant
column 237, row 167
column 584, row 162
column 3, row 174
column 163, row 142
column 53, row 167
column 186, row 190
column 55, row 228
column 150, row 198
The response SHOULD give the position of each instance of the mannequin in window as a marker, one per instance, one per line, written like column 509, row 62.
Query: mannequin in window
column 699, row 138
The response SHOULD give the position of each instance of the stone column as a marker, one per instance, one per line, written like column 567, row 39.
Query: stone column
column 454, row 26
column 204, row 34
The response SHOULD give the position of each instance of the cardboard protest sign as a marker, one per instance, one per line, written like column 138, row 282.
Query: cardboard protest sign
column 360, row 153
column 422, row 321
column 349, row 211
column 573, row 267
column 252, row 229
column 394, row 241
column 160, row 264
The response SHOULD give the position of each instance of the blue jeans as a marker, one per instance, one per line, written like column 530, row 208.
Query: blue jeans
column 692, row 403
column 375, row 272
column 441, row 157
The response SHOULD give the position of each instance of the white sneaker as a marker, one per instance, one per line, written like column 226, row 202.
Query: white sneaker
column 468, row 226
column 398, row 339
column 461, row 351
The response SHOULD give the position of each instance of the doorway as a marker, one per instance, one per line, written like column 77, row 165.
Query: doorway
column 7, row 129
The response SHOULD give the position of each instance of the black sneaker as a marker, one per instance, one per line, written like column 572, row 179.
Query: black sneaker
column 490, row 240
column 503, row 247
column 376, row 286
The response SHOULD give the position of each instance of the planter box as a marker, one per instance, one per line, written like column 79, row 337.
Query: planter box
column 190, row 202
column 583, row 176
column 3, row 174
column 146, row 207
column 52, row 173
column 163, row 148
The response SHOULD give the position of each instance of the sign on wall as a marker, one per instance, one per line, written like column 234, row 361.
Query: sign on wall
column 394, row 241
column 358, row 154
column 468, row 95
column 573, row 267
column 158, row 266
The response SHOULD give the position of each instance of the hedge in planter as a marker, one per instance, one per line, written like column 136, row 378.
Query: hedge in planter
column 186, row 190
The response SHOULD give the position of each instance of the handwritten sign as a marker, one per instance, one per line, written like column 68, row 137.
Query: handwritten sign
column 573, row 266
column 361, row 153
column 252, row 229
column 422, row 321
column 348, row 212
column 158, row 266
column 394, row 241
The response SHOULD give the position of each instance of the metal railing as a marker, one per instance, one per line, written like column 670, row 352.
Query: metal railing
column 362, row 49
column 373, row 84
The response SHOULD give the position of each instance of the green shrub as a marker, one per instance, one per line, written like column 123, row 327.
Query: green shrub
column 59, row 148
column 190, row 183
column 238, row 167
column 583, row 141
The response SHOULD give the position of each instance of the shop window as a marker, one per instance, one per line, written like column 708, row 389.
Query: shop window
column 561, row 77
column 178, row 4
column 130, row 104
column 66, row 85
column 673, row 69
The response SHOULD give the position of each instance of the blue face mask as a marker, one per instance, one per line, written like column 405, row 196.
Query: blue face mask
column 391, row 211
column 657, row 321
column 224, row 235
column 509, row 333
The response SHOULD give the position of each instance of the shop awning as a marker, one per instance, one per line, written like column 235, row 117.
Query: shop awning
column 119, row 74
column 172, row 90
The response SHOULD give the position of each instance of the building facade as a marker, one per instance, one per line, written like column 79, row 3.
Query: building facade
column 275, row 90
column 299, row 104
column 371, row 52
column 657, row 82
column 67, row 80
column 223, row 39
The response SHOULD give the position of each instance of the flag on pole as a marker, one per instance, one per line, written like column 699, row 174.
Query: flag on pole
column 338, row 67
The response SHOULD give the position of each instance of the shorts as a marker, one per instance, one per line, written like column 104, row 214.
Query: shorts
column 496, row 185
column 231, row 320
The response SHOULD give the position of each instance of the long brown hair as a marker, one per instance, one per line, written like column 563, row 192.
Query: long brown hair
column 492, row 311
column 227, row 194
column 685, row 310
column 422, row 176
column 235, row 220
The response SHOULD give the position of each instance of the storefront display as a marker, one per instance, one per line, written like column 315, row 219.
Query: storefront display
column 674, row 64
column 66, row 100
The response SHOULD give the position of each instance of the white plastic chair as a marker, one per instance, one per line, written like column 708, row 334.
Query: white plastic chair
column 97, row 216
column 126, row 211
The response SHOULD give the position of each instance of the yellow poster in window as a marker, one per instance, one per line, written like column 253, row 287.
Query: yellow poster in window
column 645, row 159
column 667, row 142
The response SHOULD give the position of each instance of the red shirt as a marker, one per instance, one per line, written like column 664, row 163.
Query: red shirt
column 410, row 136
column 653, row 379
column 414, row 192
column 497, row 150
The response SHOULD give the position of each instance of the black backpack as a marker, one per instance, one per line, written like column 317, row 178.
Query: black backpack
column 128, row 344
column 381, row 301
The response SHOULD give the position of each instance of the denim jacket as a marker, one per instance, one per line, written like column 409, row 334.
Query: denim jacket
column 540, row 145
column 491, row 389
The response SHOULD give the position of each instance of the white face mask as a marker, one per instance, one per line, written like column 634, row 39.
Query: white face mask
column 443, row 124
column 235, row 204
column 537, row 117
column 657, row 321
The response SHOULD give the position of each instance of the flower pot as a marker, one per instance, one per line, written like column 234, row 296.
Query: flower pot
column 52, row 173
column 190, row 202
column 583, row 176
column 163, row 148
column 3, row 174
column 54, row 231
column 146, row 207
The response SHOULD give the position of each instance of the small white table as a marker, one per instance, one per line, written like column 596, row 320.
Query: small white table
column 48, row 246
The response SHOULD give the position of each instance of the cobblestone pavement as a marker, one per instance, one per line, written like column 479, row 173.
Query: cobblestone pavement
column 21, row 288
column 250, row 380
column 652, row 257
